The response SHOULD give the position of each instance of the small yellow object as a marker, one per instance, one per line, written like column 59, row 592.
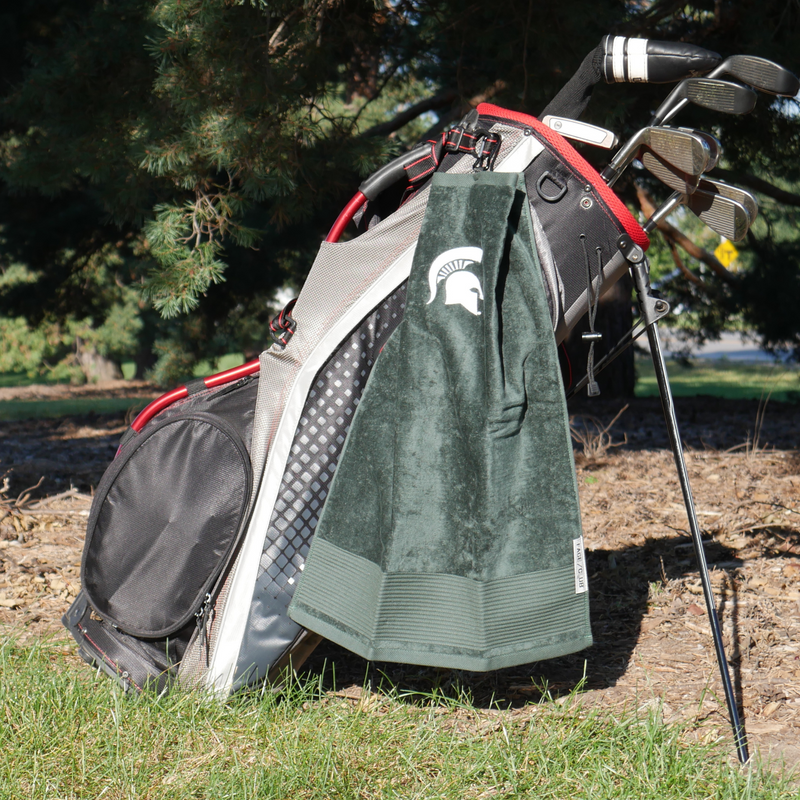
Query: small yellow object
column 726, row 253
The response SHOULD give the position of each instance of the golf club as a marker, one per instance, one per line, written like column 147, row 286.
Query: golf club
column 714, row 146
column 724, row 96
column 723, row 215
column 741, row 196
column 668, row 174
column 581, row 131
column 686, row 151
column 759, row 73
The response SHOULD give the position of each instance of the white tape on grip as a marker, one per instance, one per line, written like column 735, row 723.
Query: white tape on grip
column 637, row 60
column 618, row 58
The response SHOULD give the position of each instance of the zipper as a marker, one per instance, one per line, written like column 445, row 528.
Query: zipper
column 205, row 617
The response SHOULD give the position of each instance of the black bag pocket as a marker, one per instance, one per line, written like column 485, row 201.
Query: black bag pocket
column 164, row 523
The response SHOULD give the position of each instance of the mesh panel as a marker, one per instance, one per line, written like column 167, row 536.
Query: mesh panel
column 315, row 450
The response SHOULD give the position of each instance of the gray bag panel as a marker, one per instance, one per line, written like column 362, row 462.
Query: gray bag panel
column 315, row 450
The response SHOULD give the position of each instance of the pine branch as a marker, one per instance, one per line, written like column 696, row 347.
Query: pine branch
column 280, row 32
column 458, row 112
column 378, row 92
column 760, row 185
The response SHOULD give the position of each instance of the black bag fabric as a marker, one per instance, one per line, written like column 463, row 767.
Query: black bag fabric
column 165, row 521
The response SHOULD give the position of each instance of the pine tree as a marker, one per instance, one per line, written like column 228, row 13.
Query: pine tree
column 200, row 150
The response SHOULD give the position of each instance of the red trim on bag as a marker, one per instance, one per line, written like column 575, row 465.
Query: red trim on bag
column 569, row 365
column 579, row 163
column 160, row 403
column 348, row 212
column 107, row 658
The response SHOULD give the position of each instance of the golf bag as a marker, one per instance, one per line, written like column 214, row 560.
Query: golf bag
column 199, row 529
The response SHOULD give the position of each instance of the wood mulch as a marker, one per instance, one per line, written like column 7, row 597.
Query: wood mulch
column 653, row 646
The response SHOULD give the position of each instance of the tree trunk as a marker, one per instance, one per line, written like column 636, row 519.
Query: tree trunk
column 145, row 359
column 614, row 319
column 95, row 367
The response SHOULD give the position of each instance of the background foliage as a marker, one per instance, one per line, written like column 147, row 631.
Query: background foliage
column 167, row 166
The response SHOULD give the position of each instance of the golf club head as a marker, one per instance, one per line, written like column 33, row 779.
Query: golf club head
column 689, row 153
column 741, row 196
column 714, row 146
column 683, row 149
column 723, row 215
column 759, row 73
column 668, row 174
column 718, row 95
column 724, row 96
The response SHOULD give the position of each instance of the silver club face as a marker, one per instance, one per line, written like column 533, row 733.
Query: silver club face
column 668, row 174
column 683, row 149
column 760, row 73
column 735, row 193
column 717, row 95
column 714, row 146
column 723, row 215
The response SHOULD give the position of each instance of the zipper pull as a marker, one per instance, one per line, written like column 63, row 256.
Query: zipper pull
column 205, row 616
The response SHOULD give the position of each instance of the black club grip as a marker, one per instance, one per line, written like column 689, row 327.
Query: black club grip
column 629, row 60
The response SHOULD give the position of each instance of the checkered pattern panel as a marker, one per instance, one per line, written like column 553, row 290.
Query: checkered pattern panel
column 318, row 441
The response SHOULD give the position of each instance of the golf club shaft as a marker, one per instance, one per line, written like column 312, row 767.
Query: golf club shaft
column 642, row 288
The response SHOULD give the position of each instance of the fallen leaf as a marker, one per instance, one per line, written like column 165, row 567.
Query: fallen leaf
column 770, row 709
column 695, row 609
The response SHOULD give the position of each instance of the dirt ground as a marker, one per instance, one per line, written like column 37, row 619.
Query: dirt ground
column 653, row 645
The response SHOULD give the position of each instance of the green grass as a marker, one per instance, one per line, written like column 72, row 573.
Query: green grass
column 717, row 378
column 38, row 409
column 722, row 378
column 67, row 733
column 128, row 371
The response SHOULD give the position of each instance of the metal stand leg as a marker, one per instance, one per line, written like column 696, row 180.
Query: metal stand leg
column 652, row 309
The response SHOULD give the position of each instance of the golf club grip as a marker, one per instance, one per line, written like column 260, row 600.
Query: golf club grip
column 630, row 60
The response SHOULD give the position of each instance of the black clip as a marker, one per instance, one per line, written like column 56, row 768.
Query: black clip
column 479, row 141
column 283, row 326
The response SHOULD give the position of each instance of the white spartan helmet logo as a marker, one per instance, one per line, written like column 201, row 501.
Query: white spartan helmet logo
column 461, row 287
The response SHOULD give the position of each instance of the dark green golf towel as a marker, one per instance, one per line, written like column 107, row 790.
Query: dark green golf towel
column 452, row 535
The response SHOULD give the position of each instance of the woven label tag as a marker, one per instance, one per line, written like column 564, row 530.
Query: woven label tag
column 579, row 560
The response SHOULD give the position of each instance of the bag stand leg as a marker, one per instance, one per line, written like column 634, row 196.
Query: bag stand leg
column 652, row 309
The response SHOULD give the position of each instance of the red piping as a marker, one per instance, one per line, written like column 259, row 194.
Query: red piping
column 348, row 212
column 160, row 403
